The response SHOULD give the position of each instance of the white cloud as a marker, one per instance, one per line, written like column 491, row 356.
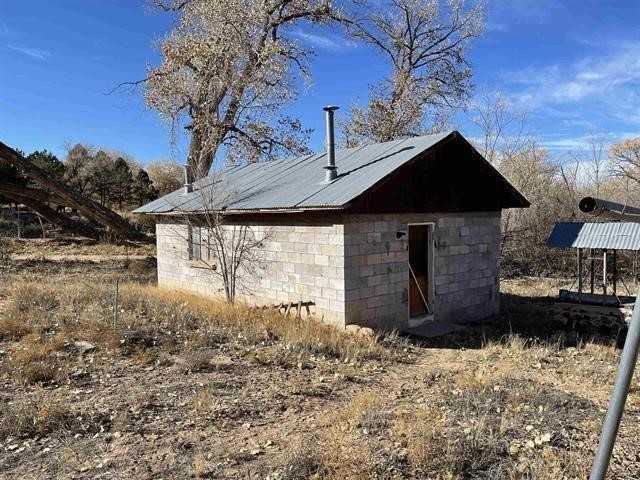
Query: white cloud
column 329, row 42
column 568, row 143
column 32, row 52
column 559, row 143
column 609, row 83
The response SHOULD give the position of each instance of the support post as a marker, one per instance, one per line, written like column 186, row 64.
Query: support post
column 580, row 275
column 116, row 305
column 18, row 215
column 604, row 272
column 615, row 273
column 592, row 273
column 619, row 397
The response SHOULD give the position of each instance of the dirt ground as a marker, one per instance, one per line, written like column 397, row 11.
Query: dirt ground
column 513, row 397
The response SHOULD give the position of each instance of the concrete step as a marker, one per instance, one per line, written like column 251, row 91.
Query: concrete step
column 434, row 329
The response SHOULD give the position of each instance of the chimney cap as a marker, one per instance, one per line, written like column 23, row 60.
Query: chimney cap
column 330, row 108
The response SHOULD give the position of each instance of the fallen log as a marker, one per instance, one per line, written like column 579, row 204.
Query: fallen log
column 89, row 208
column 51, row 215
column 23, row 191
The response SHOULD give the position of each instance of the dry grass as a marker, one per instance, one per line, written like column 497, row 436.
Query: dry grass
column 485, row 422
column 207, row 320
column 74, row 247
column 43, row 415
column 185, row 387
column 534, row 286
column 43, row 319
column 472, row 428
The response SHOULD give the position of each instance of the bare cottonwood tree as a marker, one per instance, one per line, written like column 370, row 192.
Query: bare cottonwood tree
column 506, row 140
column 625, row 159
column 597, row 165
column 598, row 174
column 426, row 43
column 227, row 69
column 166, row 175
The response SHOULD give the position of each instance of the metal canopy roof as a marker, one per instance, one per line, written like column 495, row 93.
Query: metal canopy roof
column 298, row 183
column 610, row 235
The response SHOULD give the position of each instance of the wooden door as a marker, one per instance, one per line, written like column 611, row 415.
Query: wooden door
column 419, row 269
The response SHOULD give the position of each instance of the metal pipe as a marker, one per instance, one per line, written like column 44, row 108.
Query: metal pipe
column 331, row 170
column 619, row 397
column 598, row 207
column 188, row 186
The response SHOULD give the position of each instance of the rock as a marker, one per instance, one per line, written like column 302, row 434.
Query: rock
column 84, row 347
column 367, row 332
column 352, row 328
column 358, row 330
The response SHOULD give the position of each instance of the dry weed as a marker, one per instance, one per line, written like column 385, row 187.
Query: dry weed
column 210, row 318
column 199, row 465
column 40, row 415
column 366, row 412
column 154, row 324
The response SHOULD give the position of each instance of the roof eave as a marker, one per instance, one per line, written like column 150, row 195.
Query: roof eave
column 175, row 213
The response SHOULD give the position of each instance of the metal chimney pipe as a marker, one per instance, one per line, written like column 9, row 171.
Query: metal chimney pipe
column 188, row 186
column 331, row 169
column 598, row 207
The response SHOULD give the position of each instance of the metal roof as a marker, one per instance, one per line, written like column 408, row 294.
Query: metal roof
column 298, row 183
column 610, row 235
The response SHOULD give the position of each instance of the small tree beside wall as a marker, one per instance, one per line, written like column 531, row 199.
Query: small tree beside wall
column 232, row 252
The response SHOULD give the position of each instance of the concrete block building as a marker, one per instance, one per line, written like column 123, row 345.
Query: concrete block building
column 388, row 236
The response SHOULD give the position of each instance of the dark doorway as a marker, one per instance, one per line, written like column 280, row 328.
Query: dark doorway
column 420, row 259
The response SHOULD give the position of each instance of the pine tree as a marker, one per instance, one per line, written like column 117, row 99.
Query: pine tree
column 142, row 189
column 10, row 174
column 48, row 162
column 121, row 182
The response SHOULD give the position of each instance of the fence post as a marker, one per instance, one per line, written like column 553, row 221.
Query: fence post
column 116, row 307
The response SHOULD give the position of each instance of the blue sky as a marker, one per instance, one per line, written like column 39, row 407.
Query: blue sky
column 574, row 65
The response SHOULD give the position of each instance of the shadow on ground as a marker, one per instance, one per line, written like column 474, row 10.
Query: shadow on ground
column 533, row 319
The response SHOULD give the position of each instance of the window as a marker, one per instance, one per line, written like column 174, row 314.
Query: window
column 195, row 243
column 199, row 244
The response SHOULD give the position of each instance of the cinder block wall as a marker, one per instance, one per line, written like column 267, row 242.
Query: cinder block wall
column 466, row 267
column 353, row 267
column 299, row 262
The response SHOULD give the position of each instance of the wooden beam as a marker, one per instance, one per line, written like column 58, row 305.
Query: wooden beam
column 51, row 215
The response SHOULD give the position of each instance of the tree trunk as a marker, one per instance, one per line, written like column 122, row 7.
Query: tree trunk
column 201, row 153
column 22, row 191
column 86, row 206
column 48, row 213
